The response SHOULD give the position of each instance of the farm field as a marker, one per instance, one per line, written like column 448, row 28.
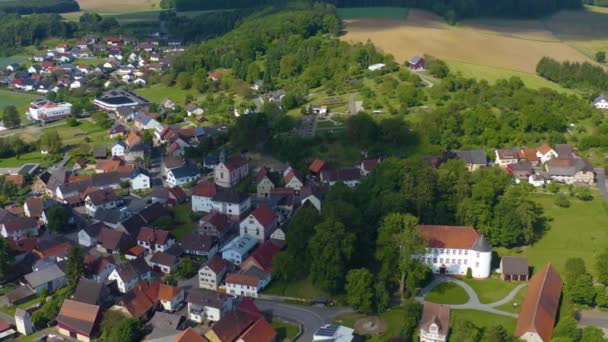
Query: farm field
column 375, row 12
column 504, row 44
column 158, row 92
column 578, row 231
column 118, row 6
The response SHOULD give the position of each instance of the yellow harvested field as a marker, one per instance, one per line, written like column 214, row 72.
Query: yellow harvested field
column 118, row 6
column 507, row 44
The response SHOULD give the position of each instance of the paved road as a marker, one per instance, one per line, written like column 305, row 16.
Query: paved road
column 310, row 317
column 600, row 175
column 473, row 302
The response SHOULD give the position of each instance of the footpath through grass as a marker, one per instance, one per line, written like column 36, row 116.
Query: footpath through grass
column 447, row 293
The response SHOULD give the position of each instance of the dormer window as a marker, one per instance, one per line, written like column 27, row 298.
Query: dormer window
column 433, row 328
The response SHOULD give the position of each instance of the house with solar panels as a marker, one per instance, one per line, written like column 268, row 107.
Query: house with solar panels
column 334, row 333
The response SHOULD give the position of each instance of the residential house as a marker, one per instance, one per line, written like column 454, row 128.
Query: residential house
column 168, row 104
column 229, row 327
column 514, row 268
column 263, row 183
column 163, row 262
column 182, row 175
column 99, row 268
column 155, row 240
column 416, row 63
column 351, row 177
column 259, row 331
column 571, row 170
column 318, row 110
column 565, row 151
column 101, row 199
column 130, row 273
column 474, row 159
column 192, row 109
column 317, row 166
column 139, row 179
column 199, row 245
column 189, row 335
column 335, row 333
column 262, row 257
column 87, row 237
column 529, row 155
column 545, row 153
column 238, row 249
column 169, row 196
column 91, row 292
column 212, row 274
column 455, row 249
column 367, row 166
column 539, row 179
column 506, row 156
column 78, row 320
column 49, row 278
column 206, row 305
column 113, row 241
column 601, row 102
column 215, row 224
column 19, row 227
column 248, row 283
column 119, row 149
column 230, row 172
column 293, row 180
column 540, row 307
column 260, row 223
column 232, row 203
column 521, row 171
column 152, row 213
column 202, row 195
column 435, row 322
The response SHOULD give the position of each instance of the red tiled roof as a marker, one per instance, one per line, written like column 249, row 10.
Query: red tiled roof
column 217, row 264
column 264, row 214
column 204, row 189
column 242, row 279
column 541, row 304
column 168, row 292
column 137, row 302
column 137, row 250
column 529, row 154
column 178, row 193
column 22, row 244
column 317, row 166
column 216, row 74
column 291, row 175
column 231, row 326
column 35, row 206
column 458, row 237
column 544, row 148
column 248, row 307
column 369, row 164
column 263, row 256
column 189, row 335
column 217, row 220
column 18, row 180
column 235, row 162
column 20, row 224
column 438, row 314
column 107, row 165
column 260, row 331
column 77, row 316
column 57, row 250
column 263, row 173
column 153, row 235
column 561, row 162
column 4, row 326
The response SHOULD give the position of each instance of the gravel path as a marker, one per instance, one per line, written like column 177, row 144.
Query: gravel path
column 473, row 302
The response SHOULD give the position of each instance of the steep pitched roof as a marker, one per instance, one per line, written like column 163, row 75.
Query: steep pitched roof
column 438, row 314
column 35, row 206
column 231, row 326
column 217, row 264
column 114, row 240
column 88, row 291
column 20, row 224
column 541, row 304
column 263, row 256
column 205, row 297
column 242, row 279
column 544, row 149
column 264, row 214
column 153, row 235
column 189, row 335
column 197, row 242
column 162, row 258
column 79, row 316
column 317, row 166
column 260, row 331
column 235, row 162
column 459, row 237
column 204, row 188
column 132, row 269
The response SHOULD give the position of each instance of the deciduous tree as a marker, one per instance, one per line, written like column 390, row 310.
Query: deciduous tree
column 360, row 289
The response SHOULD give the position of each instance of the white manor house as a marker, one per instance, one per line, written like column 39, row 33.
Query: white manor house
column 454, row 249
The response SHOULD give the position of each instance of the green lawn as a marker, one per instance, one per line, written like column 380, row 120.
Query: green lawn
column 183, row 214
column 491, row 290
column 373, row 12
column 158, row 92
column 519, row 299
column 77, row 134
column 4, row 61
column 447, row 293
column 32, row 157
column 285, row 332
column 492, row 74
column 19, row 100
column 394, row 324
column 578, row 231
column 89, row 61
column 302, row 288
column 484, row 319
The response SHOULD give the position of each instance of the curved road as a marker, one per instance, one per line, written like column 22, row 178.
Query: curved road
column 473, row 302
column 310, row 317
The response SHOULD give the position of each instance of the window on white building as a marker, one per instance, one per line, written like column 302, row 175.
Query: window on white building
column 476, row 264
column 441, row 260
column 465, row 261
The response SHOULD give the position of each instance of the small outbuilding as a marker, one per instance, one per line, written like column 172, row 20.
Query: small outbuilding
column 514, row 268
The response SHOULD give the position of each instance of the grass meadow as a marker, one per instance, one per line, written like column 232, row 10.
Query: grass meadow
column 447, row 293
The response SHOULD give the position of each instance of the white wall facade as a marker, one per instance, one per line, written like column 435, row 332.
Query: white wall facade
column 456, row 261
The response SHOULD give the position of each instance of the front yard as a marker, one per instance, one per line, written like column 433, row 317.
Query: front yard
column 491, row 290
column 447, row 293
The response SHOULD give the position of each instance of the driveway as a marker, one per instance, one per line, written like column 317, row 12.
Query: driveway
column 310, row 317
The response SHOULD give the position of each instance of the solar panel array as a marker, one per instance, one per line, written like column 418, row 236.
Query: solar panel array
column 327, row 330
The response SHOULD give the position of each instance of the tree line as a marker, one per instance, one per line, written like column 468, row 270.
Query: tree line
column 573, row 74
column 39, row 6
column 203, row 26
column 452, row 10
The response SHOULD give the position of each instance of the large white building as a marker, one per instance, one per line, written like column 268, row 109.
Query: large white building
column 454, row 249
column 47, row 111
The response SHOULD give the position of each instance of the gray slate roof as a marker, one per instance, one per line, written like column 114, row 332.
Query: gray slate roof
column 478, row 157
column 45, row 275
column 514, row 265
column 482, row 245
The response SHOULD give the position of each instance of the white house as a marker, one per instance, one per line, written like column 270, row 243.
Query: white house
column 238, row 249
column 101, row 199
column 182, row 175
column 230, row 172
column 155, row 240
column 163, row 262
column 601, row 102
column 49, row 278
column 119, row 149
column 127, row 275
column 87, row 237
column 19, row 227
column 434, row 326
column 455, row 249
column 293, row 180
column 211, row 275
column 377, row 66
column 202, row 195
column 47, row 111
column 248, row 283
column 231, row 202
column 170, row 297
column 207, row 305
column 260, row 223
column 506, row 156
column 545, row 153
column 139, row 179
column 334, row 333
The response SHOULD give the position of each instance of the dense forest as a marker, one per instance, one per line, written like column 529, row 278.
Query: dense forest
column 38, row 6
column 451, row 9
column 574, row 74
column 201, row 27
